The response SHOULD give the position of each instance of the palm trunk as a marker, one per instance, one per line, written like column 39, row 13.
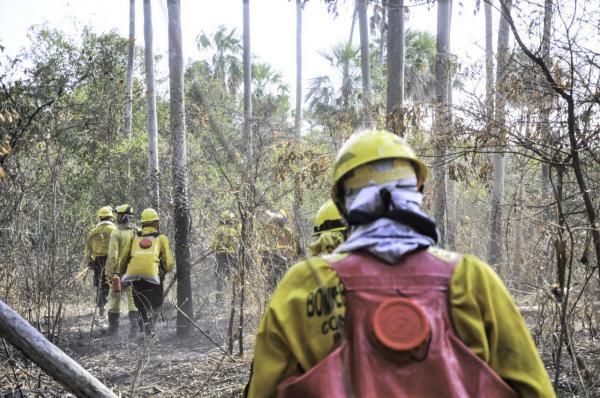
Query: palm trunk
column 382, row 32
column 152, row 123
column 353, row 24
column 129, row 99
column 450, row 197
column 365, row 64
column 181, row 218
column 496, row 238
column 546, row 104
column 298, row 122
column 489, row 69
column 395, row 70
column 248, row 186
column 442, row 114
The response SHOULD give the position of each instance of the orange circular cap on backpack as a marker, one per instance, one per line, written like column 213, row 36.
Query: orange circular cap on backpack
column 400, row 324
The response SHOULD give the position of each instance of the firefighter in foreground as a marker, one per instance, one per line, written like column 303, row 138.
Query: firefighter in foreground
column 388, row 315
column 224, row 245
column 118, row 239
column 96, row 252
column 145, row 258
column 329, row 230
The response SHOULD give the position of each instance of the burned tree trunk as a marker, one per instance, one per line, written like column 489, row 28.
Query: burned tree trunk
column 49, row 357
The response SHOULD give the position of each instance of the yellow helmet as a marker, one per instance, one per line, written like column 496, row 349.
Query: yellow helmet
column 372, row 145
column 149, row 215
column 124, row 209
column 328, row 218
column 226, row 215
column 104, row 212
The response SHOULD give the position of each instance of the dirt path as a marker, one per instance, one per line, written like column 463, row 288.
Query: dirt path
column 163, row 366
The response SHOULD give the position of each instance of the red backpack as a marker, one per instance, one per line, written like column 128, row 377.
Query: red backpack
column 399, row 339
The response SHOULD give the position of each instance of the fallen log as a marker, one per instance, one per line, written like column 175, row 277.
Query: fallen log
column 49, row 357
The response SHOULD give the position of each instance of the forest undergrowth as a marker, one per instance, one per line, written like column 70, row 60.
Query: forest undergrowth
column 198, row 365
column 201, row 366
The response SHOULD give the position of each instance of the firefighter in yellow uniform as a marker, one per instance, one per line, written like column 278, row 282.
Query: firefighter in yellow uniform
column 277, row 248
column 377, row 184
column 224, row 245
column 329, row 230
column 118, row 239
column 96, row 252
column 143, row 261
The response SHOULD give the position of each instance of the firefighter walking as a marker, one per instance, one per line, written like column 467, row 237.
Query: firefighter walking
column 118, row 239
column 387, row 314
column 277, row 247
column 144, row 260
column 96, row 252
column 224, row 245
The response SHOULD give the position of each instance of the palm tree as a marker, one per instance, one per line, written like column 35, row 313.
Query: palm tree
column 226, row 62
column 248, row 140
column 419, row 77
column 365, row 64
column 181, row 218
column 496, row 237
column 442, row 114
column 298, row 120
column 395, row 66
column 265, row 79
column 128, row 112
column 270, row 95
column 545, row 112
column 335, row 99
column 152, row 123
column 322, row 90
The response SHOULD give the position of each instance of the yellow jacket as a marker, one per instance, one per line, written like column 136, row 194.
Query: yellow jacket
column 96, row 244
column 225, row 239
column 326, row 243
column 277, row 239
column 484, row 315
column 165, row 257
column 118, row 239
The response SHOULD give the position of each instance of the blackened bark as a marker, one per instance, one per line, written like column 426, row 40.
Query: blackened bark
column 181, row 218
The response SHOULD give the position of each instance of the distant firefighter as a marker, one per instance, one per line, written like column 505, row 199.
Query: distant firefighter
column 276, row 246
column 96, row 252
column 329, row 230
column 118, row 239
column 225, row 245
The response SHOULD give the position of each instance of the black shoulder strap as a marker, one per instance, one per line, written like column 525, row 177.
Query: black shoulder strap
column 153, row 234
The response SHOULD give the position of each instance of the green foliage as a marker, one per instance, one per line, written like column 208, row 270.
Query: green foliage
column 69, row 151
column 225, row 64
column 334, row 101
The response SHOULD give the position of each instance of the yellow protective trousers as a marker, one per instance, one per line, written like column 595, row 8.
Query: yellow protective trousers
column 115, row 298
